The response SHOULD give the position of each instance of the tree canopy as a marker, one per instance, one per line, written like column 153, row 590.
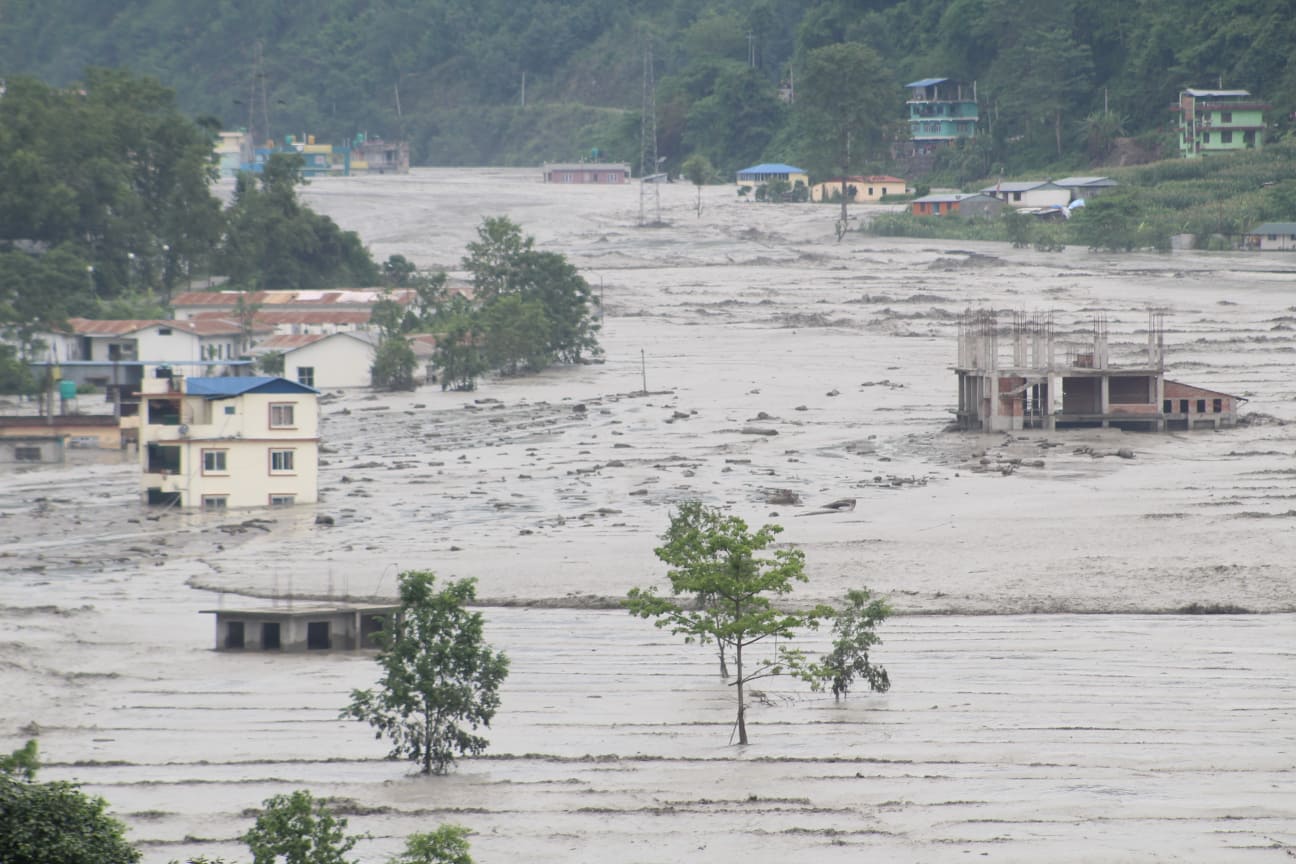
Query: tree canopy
column 723, row 583
column 448, row 74
column 440, row 680
column 54, row 823
column 298, row 828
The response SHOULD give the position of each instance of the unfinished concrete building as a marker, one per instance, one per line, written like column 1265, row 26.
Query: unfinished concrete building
column 1021, row 374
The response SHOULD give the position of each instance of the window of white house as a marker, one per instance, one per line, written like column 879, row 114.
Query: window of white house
column 27, row 454
column 281, row 415
column 229, row 409
column 164, row 331
column 281, row 461
column 283, row 500
column 215, row 502
column 306, row 375
column 214, row 461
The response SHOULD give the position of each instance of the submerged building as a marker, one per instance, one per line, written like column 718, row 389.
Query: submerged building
column 311, row 627
column 1021, row 375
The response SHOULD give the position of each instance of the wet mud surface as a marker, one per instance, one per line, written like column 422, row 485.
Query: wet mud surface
column 784, row 372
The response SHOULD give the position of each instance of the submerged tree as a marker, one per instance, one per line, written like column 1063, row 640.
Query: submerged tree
column 723, row 584
column 843, row 100
column 298, row 828
column 440, row 680
column 697, row 168
column 854, row 633
column 448, row 844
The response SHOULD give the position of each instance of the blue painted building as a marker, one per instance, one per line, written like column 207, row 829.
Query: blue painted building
column 940, row 110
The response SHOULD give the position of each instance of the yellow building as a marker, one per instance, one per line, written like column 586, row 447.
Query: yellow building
column 228, row 442
column 860, row 189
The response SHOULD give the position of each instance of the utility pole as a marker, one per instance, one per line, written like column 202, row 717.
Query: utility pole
column 643, row 369
column 751, row 49
column 648, row 138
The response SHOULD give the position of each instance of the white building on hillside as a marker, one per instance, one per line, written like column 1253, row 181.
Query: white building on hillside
column 228, row 442
column 1030, row 193
column 324, row 361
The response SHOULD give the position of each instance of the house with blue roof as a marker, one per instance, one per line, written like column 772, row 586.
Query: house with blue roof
column 217, row 443
column 759, row 175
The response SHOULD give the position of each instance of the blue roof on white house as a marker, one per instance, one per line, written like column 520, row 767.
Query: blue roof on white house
column 771, row 168
column 228, row 386
column 926, row 82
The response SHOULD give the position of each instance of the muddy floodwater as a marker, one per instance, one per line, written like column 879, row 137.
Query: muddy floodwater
column 1051, row 701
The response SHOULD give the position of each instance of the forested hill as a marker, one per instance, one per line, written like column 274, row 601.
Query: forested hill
column 449, row 74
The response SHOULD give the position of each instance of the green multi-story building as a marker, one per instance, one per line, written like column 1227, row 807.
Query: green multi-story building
column 1219, row 121
column 940, row 110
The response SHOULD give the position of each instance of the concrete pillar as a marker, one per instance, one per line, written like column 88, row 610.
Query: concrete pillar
column 1158, row 388
column 996, row 422
column 1104, row 398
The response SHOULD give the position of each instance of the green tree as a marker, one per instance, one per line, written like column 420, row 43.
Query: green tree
column 777, row 190
column 698, row 170
column 273, row 241
column 271, row 363
column 516, row 334
column 1020, row 228
column 448, row 844
column 298, row 828
column 1110, row 223
column 503, row 262
column 54, row 823
column 716, row 558
column 854, row 633
column 393, row 364
column 23, row 763
column 440, row 680
column 844, row 98
column 110, row 171
column 15, row 375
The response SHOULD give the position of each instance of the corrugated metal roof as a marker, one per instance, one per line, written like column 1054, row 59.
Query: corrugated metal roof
column 223, row 388
column 954, row 196
column 287, row 342
column 291, row 342
column 205, row 326
column 1274, row 228
column 312, row 316
column 1086, row 181
column 587, row 166
column 118, row 327
column 860, row 178
column 926, row 82
column 771, row 168
column 1208, row 93
column 1018, row 186
column 324, row 297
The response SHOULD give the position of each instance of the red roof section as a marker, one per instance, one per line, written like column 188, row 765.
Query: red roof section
column 338, row 297
column 206, row 326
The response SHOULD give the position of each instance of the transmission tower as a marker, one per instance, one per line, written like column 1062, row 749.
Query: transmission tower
column 648, row 140
column 257, row 99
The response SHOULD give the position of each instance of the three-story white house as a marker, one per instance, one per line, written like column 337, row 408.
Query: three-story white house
column 228, row 442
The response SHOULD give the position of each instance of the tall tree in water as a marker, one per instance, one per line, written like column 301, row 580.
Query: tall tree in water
column 845, row 97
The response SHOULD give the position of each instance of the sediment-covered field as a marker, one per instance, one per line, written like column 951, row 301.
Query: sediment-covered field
column 1049, row 702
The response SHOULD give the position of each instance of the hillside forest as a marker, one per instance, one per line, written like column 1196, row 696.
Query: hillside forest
column 518, row 82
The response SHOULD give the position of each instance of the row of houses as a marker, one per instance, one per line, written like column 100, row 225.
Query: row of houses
column 236, row 152
column 1035, row 195
column 326, row 339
